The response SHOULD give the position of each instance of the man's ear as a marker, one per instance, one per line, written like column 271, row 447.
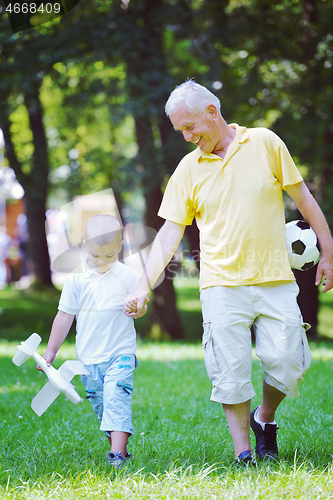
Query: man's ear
column 211, row 109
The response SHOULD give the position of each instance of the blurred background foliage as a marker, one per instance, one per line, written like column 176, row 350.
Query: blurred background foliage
column 82, row 100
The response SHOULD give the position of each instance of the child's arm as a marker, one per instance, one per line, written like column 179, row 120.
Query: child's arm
column 60, row 328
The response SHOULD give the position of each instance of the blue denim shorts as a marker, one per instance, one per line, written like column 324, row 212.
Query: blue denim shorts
column 109, row 389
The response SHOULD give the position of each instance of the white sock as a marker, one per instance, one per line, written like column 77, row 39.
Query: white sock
column 256, row 418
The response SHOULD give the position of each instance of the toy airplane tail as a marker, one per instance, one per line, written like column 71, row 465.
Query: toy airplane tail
column 26, row 349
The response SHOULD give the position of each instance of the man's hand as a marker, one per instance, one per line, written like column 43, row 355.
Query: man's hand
column 325, row 270
column 135, row 305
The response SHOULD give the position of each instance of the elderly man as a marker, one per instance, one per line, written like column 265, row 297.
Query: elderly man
column 232, row 184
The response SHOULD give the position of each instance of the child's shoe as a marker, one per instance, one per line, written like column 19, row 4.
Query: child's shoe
column 116, row 459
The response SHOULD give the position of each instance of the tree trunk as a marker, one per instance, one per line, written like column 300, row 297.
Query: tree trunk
column 35, row 211
column 144, row 87
column 308, row 298
column 163, row 308
column 192, row 233
column 37, row 193
column 34, row 184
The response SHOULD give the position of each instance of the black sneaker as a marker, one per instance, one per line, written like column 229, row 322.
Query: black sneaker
column 266, row 446
column 246, row 458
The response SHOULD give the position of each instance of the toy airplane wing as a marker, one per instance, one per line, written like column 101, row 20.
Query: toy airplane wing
column 44, row 398
column 71, row 368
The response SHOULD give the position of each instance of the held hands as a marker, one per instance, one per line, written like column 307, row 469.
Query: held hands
column 135, row 306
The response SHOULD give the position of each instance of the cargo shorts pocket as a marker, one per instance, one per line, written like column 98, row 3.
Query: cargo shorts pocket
column 307, row 356
column 206, row 336
column 212, row 361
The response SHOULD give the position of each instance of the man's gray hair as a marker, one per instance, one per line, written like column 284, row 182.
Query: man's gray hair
column 195, row 96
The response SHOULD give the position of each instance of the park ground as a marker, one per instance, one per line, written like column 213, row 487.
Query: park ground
column 181, row 447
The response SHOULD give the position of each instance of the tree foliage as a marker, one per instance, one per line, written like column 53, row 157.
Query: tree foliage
column 96, row 80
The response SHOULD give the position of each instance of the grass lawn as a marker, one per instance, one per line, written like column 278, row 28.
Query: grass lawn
column 181, row 446
column 325, row 316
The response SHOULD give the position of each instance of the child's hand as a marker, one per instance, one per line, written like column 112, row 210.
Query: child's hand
column 143, row 312
column 135, row 307
column 130, row 305
column 49, row 357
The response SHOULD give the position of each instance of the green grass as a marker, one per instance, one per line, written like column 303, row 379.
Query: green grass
column 325, row 316
column 181, row 445
column 23, row 312
column 188, row 303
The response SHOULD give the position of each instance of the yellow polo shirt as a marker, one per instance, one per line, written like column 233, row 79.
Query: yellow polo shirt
column 238, row 206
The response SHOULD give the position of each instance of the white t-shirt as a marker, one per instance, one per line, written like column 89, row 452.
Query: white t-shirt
column 102, row 329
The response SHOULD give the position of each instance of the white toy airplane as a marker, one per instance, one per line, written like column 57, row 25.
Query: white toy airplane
column 59, row 380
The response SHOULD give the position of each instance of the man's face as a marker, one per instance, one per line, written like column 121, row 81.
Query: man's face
column 102, row 258
column 200, row 128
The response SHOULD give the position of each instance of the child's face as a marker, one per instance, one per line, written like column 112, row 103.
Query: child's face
column 102, row 258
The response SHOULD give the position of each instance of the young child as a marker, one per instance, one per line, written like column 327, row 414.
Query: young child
column 105, row 338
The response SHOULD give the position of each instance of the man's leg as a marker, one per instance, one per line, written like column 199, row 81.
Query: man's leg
column 281, row 346
column 238, row 418
column 271, row 399
column 228, row 316
column 263, row 422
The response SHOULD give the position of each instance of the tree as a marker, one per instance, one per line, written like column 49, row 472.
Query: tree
column 34, row 182
column 140, row 33
column 148, row 91
column 276, row 69
column 26, row 59
column 136, row 52
column 21, row 81
column 137, row 39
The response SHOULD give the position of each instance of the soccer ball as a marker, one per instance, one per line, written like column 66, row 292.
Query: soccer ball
column 302, row 245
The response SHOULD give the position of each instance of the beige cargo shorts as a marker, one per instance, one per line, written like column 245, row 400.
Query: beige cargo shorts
column 281, row 343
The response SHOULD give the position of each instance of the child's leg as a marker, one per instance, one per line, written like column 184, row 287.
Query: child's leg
column 118, row 387
column 94, row 385
column 118, row 442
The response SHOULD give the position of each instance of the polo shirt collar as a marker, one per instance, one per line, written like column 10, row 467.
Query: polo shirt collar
column 88, row 271
column 241, row 133
column 240, row 137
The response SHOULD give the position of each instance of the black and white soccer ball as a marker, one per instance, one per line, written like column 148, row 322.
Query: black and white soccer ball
column 302, row 245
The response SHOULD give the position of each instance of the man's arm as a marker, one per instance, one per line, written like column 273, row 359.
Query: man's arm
column 164, row 246
column 311, row 211
column 60, row 328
